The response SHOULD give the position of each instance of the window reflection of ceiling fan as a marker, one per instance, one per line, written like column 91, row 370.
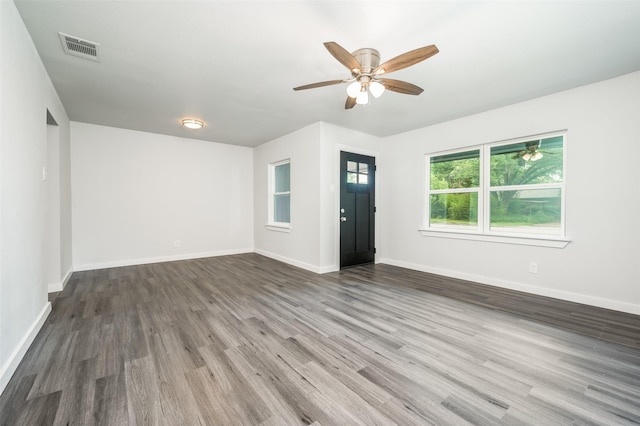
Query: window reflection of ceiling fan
column 531, row 151
column 366, row 70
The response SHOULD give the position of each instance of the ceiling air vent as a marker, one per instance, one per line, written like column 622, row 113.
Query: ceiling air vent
column 76, row 46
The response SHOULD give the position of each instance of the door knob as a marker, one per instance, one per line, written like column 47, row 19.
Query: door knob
column 341, row 210
column 343, row 219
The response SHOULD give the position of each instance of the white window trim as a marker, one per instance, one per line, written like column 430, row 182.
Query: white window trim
column 482, row 231
column 279, row 227
column 271, row 224
column 525, row 240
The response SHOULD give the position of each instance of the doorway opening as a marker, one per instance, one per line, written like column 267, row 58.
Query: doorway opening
column 51, row 176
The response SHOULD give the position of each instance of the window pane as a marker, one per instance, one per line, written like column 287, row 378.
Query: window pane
column 363, row 179
column 352, row 166
column 454, row 210
column 525, row 163
column 459, row 170
column 532, row 211
column 352, row 177
column 281, row 208
column 363, row 168
column 282, row 178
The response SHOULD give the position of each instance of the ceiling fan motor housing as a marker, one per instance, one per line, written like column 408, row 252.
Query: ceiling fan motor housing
column 368, row 59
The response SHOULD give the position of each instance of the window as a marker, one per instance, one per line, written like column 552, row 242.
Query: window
column 454, row 187
column 357, row 173
column 280, row 193
column 511, row 188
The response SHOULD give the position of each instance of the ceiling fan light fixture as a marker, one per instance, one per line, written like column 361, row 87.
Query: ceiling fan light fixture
column 363, row 97
column 364, row 65
column 536, row 156
column 193, row 124
column 353, row 89
column 376, row 89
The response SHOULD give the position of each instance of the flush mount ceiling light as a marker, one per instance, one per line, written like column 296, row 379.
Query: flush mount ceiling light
column 191, row 123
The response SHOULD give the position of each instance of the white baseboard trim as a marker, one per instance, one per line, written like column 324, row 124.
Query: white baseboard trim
column 539, row 291
column 327, row 269
column 12, row 363
column 148, row 260
column 297, row 263
column 55, row 287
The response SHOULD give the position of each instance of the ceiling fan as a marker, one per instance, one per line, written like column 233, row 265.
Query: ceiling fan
column 366, row 70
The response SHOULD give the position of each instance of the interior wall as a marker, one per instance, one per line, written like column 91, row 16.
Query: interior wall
column 52, row 226
column 64, row 178
column 312, row 242
column 333, row 140
column 26, row 93
column 141, row 197
column 598, row 267
column 301, row 245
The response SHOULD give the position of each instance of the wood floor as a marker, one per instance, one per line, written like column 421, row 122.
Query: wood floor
column 247, row 340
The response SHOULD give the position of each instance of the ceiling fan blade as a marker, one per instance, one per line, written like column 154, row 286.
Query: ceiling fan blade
column 319, row 84
column 406, row 59
column 351, row 102
column 400, row 86
column 343, row 56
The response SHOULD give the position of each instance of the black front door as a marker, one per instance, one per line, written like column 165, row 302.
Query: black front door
column 357, row 209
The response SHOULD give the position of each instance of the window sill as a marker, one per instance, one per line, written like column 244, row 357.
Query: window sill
column 559, row 243
column 278, row 227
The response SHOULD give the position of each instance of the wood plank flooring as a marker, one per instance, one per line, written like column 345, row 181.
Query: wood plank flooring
column 246, row 340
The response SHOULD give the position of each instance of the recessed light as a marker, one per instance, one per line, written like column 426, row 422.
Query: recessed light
column 191, row 123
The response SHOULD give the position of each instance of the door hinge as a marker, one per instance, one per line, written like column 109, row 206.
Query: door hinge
column 375, row 209
column 374, row 250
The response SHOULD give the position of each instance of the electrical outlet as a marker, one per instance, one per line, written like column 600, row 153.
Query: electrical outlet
column 176, row 243
column 533, row 267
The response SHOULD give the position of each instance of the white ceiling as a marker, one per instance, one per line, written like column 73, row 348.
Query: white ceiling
column 233, row 64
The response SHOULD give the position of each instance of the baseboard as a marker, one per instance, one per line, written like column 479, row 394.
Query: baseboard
column 55, row 287
column 297, row 263
column 145, row 261
column 539, row 291
column 12, row 363
column 327, row 269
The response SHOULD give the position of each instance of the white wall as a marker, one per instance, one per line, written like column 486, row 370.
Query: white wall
column 136, row 193
column 300, row 246
column 335, row 139
column 599, row 266
column 312, row 242
column 26, row 93
column 58, row 212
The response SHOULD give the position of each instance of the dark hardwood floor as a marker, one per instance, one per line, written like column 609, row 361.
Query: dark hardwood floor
column 248, row 340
